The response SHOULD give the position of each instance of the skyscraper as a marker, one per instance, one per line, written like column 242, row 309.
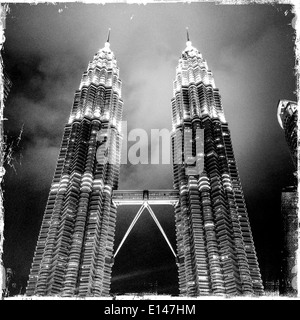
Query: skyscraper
column 215, row 248
column 75, row 245
column 287, row 115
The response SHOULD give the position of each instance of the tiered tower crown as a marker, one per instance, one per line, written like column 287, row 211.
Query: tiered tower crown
column 98, row 85
column 194, row 79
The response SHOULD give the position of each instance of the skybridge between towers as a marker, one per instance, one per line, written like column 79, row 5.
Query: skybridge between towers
column 136, row 197
column 145, row 199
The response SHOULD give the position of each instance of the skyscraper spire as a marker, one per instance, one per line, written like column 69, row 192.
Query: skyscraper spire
column 108, row 35
column 107, row 44
column 187, row 34
column 189, row 46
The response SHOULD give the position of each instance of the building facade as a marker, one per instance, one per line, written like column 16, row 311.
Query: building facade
column 74, row 250
column 287, row 115
column 216, row 253
column 5, row 87
column 290, row 226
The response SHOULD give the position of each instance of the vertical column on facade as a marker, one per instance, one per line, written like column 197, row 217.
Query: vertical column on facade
column 221, row 216
column 177, row 155
column 107, row 232
column 188, row 201
column 90, row 248
column 194, row 101
column 179, row 220
column 217, row 101
column 113, row 167
column 179, row 226
column 197, row 238
column 239, row 252
column 98, row 251
column 201, row 91
column 82, row 101
column 42, row 239
column 91, row 240
column 244, row 283
column 109, row 243
column 214, row 260
column 190, row 268
column 185, row 272
column 174, row 115
column 185, row 232
column 75, row 105
column 242, row 214
column 185, row 268
column 62, row 239
column 86, row 194
column 69, row 212
column 204, row 285
column 54, row 206
column 113, row 109
column 106, row 239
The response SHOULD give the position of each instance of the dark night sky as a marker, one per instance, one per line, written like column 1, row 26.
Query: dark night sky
column 250, row 50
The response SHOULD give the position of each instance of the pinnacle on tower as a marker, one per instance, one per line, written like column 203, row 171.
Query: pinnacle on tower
column 108, row 35
column 107, row 44
column 187, row 34
column 188, row 43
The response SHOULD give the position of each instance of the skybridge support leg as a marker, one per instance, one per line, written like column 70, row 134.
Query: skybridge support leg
column 145, row 205
column 130, row 227
column 160, row 228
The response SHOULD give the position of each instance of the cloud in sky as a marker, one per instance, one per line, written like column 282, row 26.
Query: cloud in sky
column 262, row 66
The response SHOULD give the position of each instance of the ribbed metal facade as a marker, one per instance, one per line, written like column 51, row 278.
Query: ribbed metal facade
column 74, row 251
column 287, row 114
column 216, row 253
column 288, row 278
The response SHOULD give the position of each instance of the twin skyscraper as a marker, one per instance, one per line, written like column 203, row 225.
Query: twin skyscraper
column 75, row 247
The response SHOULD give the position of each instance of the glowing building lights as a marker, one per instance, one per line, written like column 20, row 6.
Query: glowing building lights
column 215, row 248
column 77, row 232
